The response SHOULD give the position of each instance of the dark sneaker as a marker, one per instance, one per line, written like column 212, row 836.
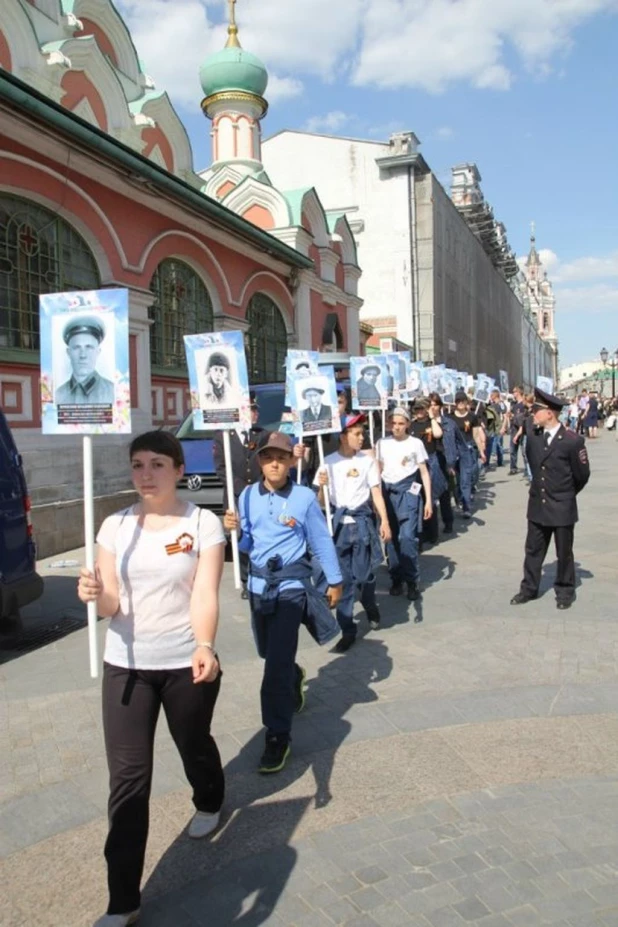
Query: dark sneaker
column 299, row 688
column 448, row 529
column 275, row 754
column 467, row 513
column 396, row 589
column 512, row 472
column 373, row 617
column 344, row 643
column 244, row 592
column 520, row 598
column 414, row 592
column 563, row 604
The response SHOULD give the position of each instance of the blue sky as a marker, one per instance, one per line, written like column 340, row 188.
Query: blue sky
column 525, row 88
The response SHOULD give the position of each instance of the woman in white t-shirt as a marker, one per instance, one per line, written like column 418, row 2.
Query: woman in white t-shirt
column 403, row 465
column 159, row 566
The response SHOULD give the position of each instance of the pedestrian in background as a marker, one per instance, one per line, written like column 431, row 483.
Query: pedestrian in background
column 157, row 577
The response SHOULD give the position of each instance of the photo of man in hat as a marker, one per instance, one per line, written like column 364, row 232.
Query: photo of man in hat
column 219, row 390
column 367, row 392
column 315, row 411
column 83, row 335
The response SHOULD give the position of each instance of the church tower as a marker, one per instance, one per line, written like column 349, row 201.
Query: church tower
column 539, row 298
column 234, row 82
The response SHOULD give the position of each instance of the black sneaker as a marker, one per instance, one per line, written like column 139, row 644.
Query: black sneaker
column 299, row 688
column 512, row 472
column 396, row 589
column 414, row 592
column 244, row 592
column 344, row 643
column 448, row 529
column 373, row 617
column 275, row 754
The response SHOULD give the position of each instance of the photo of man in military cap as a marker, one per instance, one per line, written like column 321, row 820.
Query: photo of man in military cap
column 219, row 391
column 83, row 336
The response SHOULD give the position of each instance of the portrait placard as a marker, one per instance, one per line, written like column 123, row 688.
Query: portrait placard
column 315, row 409
column 504, row 381
column 369, row 380
column 414, row 379
column 483, row 387
column 448, row 386
column 298, row 364
column 397, row 377
column 218, row 381
column 85, row 382
column 430, row 379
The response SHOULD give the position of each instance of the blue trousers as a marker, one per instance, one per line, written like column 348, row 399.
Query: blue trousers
column 276, row 639
column 347, row 540
column 402, row 551
column 494, row 443
column 465, row 476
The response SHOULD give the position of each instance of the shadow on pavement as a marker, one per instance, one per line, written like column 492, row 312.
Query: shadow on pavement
column 548, row 576
column 253, row 843
column 55, row 615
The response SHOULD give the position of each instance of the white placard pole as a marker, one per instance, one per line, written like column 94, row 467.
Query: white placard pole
column 93, row 643
column 329, row 516
column 229, row 479
column 371, row 435
column 299, row 467
column 383, row 423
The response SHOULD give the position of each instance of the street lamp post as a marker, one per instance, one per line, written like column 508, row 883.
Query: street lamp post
column 613, row 363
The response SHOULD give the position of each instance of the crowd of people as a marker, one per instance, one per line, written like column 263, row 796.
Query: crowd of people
column 160, row 563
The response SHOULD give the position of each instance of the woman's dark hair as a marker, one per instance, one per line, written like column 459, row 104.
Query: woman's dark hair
column 436, row 398
column 159, row 442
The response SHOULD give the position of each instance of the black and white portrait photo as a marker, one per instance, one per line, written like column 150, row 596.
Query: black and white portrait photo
column 84, row 359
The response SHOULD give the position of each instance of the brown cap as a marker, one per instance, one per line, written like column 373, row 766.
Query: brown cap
column 275, row 440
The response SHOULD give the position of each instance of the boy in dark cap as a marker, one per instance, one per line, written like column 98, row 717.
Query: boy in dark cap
column 279, row 522
column 560, row 469
column 83, row 336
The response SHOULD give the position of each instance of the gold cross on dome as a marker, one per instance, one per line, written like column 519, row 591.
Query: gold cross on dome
column 232, row 29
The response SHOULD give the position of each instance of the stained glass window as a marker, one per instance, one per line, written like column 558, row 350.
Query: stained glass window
column 267, row 341
column 39, row 253
column 182, row 306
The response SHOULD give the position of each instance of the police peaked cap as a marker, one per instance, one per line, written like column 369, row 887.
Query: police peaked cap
column 547, row 401
column 218, row 360
column 84, row 325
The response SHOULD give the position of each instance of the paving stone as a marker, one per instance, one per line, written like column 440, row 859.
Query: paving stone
column 471, row 909
column 370, row 875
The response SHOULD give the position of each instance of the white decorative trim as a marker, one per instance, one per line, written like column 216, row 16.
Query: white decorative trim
column 22, row 40
column 312, row 208
column 227, row 174
column 93, row 242
column 199, row 269
column 86, row 56
column 296, row 237
column 106, row 17
column 252, row 192
column 270, row 276
column 289, row 324
column 85, row 111
column 165, row 116
column 328, row 264
column 26, row 398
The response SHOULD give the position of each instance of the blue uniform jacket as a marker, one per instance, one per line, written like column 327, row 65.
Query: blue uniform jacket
column 405, row 505
column 367, row 553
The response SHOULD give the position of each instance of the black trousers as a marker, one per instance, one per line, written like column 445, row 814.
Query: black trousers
column 537, row 543
column 131, row 703
column 276, row 639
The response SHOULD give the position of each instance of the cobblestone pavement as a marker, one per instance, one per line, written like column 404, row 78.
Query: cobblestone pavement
column 458, row 771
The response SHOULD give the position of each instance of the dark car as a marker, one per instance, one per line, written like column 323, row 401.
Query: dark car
column 20, row 584
column 200, row 483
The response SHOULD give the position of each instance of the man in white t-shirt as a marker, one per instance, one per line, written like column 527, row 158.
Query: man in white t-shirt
column 353, row 481
column 403, row 464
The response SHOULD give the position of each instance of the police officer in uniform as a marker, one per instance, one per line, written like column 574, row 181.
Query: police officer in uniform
column 560, row 469
column 245, row 470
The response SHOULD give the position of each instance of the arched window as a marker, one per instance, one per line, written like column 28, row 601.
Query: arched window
column 546, row 321
column 182, row 306
column 39, row 253
column 267, row 341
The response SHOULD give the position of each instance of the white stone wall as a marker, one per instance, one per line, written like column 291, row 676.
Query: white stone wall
column 346, row 177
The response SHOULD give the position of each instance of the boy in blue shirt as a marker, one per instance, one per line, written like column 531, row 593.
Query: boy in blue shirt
column 278, row 522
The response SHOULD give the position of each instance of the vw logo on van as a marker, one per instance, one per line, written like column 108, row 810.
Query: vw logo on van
column 194, row 482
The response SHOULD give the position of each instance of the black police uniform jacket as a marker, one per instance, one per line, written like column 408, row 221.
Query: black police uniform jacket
column 559, row 473
column 245, row 465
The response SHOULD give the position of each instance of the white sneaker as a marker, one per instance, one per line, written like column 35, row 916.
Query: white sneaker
column 203, row 823
column 118, row 920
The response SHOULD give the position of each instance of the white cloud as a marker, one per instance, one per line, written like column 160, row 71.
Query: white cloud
column 596, row 299
column 427, row 44
column 283, row 88
column 331, row 122
column 588, row 268
column 444, row 133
